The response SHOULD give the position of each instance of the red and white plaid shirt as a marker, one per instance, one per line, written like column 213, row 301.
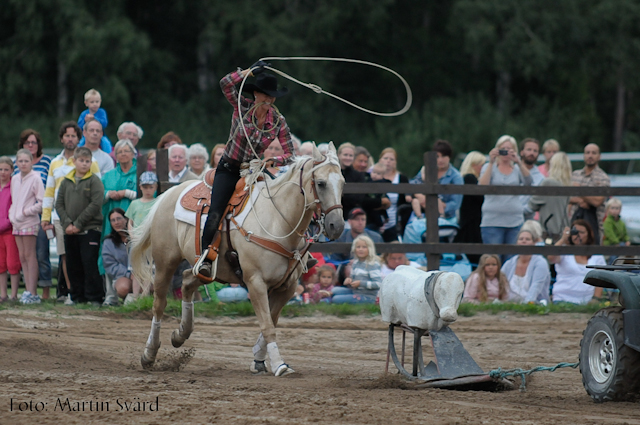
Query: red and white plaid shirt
column 237, row 146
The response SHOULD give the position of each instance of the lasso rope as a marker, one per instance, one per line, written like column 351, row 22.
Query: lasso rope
column 256, row 166
column 500, row 374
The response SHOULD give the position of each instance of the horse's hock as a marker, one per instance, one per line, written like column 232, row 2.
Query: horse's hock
column 425, row 304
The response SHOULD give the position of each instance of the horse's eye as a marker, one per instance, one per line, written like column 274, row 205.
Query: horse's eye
column 322, row 184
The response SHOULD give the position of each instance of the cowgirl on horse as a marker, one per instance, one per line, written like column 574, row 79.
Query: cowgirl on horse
column 262, row 123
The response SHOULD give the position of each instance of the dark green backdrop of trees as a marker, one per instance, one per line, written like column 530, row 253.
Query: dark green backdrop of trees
column 478, row 68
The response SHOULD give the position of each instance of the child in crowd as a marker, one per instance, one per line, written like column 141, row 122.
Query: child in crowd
column 151, row 160
column 9, row 256
column 487, row 282
column 377, row 218
column 27, row 192
column 363, row 283
column 79, row 205
column 92, row 101
column 321, row 291
column 615, row 231
column 139, row 208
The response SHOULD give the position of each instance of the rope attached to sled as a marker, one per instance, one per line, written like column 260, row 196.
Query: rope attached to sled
column 500, row 374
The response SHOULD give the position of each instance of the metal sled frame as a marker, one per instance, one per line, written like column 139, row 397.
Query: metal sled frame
column 454, row 367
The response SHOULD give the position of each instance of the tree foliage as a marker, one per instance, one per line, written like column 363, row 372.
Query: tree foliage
column 477, row 68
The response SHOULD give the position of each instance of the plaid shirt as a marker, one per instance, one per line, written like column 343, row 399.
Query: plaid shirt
column 595, row 179
column 237, row 146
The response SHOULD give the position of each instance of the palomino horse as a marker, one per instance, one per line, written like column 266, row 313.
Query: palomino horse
column 311, row 185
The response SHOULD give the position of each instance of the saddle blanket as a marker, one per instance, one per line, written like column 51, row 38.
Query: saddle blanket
column 182, row 214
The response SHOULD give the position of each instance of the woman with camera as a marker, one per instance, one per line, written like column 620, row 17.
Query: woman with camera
column 502, row 215
column 571, row 269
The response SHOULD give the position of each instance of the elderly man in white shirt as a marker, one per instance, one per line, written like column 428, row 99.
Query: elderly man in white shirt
column 93, row 133
column 178, row 160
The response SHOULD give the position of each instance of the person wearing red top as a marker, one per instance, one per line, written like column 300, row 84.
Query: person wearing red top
column 263, row 123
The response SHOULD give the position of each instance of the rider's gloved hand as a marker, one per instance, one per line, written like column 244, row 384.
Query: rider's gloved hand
column 258, row 67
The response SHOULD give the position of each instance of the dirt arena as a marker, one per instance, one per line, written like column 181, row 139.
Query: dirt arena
column 52, row 363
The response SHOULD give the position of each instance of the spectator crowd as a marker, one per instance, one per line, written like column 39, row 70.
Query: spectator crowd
column 87, row 197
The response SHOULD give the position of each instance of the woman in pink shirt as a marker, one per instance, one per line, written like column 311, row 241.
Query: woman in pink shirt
column 487, row 283
column 9, row 257
column 27, row 192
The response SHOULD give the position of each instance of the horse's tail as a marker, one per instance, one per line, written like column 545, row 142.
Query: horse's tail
column 141, row 260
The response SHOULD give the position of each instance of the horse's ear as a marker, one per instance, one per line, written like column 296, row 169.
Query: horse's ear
column 332, row 148
column 317, row 156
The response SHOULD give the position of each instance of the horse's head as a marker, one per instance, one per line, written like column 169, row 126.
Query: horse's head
column 328, row 183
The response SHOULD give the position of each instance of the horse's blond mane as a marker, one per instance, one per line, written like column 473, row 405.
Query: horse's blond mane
column 295, row 166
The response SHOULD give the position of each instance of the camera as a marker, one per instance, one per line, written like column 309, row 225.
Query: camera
column 574, row 232
column 503, row 152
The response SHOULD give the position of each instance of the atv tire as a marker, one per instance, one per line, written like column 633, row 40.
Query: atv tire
column 610, row 370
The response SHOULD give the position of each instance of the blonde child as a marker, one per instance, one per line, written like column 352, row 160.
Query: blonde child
column 9, row 256
column 363, row 283
column 321, row 291
column 487, row 282
column 27, row 192
column 615, row 231
column 93, row 100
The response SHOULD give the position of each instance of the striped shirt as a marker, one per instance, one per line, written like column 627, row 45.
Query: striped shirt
column 60, row 167
column 41, row 167
column 274, row 127
column 369, row 275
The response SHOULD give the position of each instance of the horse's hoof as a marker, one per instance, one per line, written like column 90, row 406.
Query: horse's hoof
column 176, row 339
column 284, row 370
column 145, row 362
column 258, row 367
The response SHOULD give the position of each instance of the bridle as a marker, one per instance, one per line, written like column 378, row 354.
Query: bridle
column 319, row 212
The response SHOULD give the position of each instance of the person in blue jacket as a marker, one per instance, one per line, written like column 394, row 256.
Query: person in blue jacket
column 92, row 100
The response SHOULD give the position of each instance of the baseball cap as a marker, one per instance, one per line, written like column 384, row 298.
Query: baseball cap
column 148, row 177
column 356, row 212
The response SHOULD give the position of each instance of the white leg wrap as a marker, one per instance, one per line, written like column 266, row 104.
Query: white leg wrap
column 154, row 335
column 260, row 349
column 274, row 356
column 186, row 325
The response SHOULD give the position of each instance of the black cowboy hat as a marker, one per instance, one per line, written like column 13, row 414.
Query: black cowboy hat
column 266, row 83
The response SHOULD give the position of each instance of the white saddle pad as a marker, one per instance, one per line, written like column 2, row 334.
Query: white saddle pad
column 182, row 214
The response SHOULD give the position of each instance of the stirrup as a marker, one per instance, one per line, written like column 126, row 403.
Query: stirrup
column 199, row 261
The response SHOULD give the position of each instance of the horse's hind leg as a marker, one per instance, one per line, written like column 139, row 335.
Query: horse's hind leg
column 161, row 288
column 190, row 284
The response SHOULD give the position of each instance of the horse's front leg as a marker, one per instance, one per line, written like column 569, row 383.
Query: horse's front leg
column 277, row 301
column 259, row 298
column 190, row 284
column 161, row 287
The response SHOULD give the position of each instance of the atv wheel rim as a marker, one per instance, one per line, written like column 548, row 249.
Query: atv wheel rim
column 602, row 357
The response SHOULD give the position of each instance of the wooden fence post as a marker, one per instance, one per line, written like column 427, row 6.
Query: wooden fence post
column 431, row 210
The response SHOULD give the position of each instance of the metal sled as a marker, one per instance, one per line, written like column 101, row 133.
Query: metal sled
column 454, row 368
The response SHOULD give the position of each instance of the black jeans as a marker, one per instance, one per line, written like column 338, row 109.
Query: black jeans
column 224, row 184
column 82, row 266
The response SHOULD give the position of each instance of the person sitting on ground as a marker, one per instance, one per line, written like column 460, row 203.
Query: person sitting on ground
column 198, row 157
column 571, row 269
column 92, row 100
column 321, row 291
column 363, row 283
column 391, row 260
column 115, row 257
column 528, row 275
column 487, row 283
column 78, row 205
column 357, row 222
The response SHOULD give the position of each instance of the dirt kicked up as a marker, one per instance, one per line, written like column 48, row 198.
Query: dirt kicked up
column 85, row 369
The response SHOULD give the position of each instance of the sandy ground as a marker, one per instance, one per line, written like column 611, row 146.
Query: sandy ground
column 53, row 362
